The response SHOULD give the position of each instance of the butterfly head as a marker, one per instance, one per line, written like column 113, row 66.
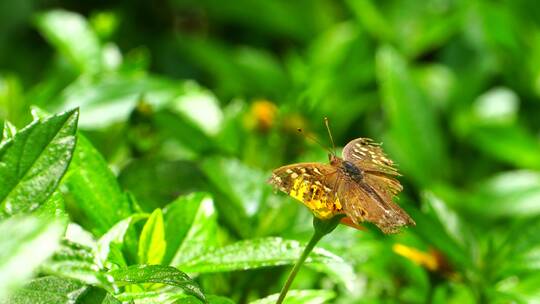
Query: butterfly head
column 334, row 160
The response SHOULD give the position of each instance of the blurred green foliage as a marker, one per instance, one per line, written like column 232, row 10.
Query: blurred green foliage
column 186, row 106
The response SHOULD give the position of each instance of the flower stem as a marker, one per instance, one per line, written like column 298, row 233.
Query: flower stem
column 322, row 228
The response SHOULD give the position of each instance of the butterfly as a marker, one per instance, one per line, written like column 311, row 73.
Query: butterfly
column 360, row 185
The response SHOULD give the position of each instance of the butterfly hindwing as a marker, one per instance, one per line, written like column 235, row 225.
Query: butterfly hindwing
column 386, row 184
column 387, row 188
column 371, row 201
column 311, row 183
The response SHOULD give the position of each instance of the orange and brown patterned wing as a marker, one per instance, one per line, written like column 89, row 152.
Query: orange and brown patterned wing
column 371, row 200
column 368, row 156
column 311, row 183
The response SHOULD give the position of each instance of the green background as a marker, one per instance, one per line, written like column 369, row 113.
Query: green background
column 203, row 98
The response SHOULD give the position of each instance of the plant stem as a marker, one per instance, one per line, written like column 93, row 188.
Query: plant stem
column 322, row 228
column 309, row 247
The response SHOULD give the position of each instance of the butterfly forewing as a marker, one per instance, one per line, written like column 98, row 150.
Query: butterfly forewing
column 368, row 156
column 311, row 183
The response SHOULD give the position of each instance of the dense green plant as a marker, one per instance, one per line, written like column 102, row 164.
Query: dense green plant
column 137, row 140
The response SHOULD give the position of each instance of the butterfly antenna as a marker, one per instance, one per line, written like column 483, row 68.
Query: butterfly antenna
column 314, row 140
column 327, row 124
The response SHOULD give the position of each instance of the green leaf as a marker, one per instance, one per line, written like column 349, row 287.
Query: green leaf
column 256, row 253
column 179, row 217
column 231, row 137
column 453, row 293
column 520, row 251
column 138, row 274
column 508, row 194
column 497, row 106
column 164, row 180
column 218, row 300
column 51, row 289
column 76, row 234
column 415, row 140
column 511, row 144
column 54, row 207
column 8, row 132
column 300, row 297
column 76, row 261
column 491, row 125
column 524, row 290
column 238, row 71
column 114, row 97
column 162, row 296
column 115, row 237
column 339, row 271
column 26, row 243
column 242, row 187
column 447, row 218
column 372, row 19
column 72, row 36
column 200, row 107
column 109, row 299
column 191, row 227
column 47, row 290
column 96, row 295
column 152, row 244
column 340, row 61
column 392, row 23
column 32, row 164
column 168, row 296
column 211, row 299
column 176, row 125
column 93, row 190
column 13, row 103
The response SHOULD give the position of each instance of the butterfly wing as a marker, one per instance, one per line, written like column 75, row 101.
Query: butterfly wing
column 371, row 200
column 387, row 187
column 383, row 183
column 373, row 194
column 368, row 156
column 313, row 184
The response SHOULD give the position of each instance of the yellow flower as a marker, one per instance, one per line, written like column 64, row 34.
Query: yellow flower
column 433, row 260
column 262, row 115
